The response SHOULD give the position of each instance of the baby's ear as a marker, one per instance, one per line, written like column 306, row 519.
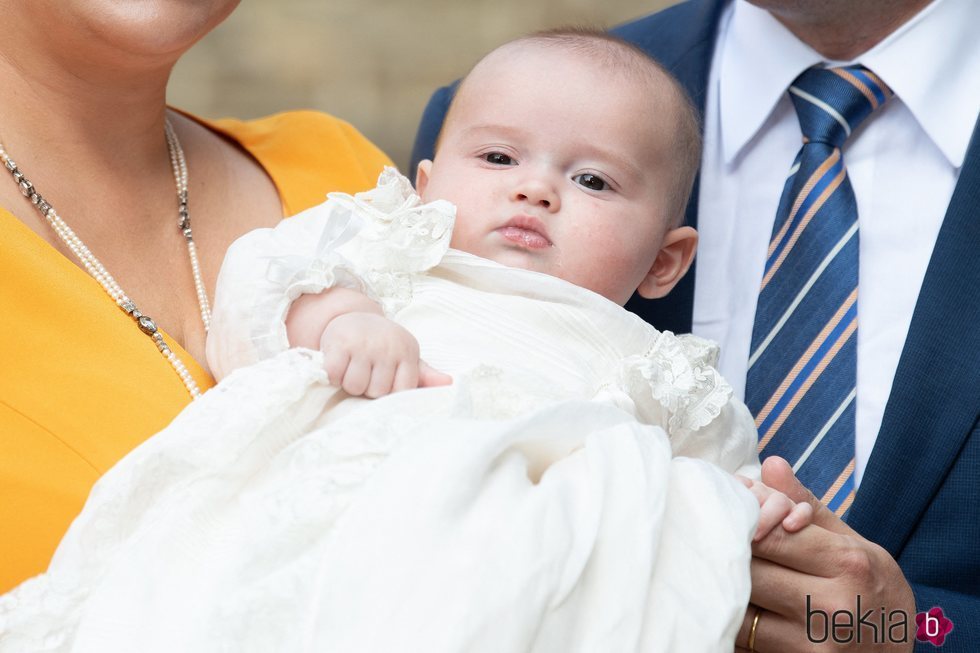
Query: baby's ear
column 422, row 176
column 674, row 258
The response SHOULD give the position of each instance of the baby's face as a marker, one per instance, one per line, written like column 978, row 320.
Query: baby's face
column 556, row 165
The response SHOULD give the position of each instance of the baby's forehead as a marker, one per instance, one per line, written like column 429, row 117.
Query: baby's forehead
column 610, row 68
column 569, row 58
column 519, row 79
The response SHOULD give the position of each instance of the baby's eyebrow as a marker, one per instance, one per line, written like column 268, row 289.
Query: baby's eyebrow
column 494, row 128
column 630, row 171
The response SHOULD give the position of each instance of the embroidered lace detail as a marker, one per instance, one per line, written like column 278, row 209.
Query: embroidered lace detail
column 678, row 373
column 395, row 236
column 398, row 231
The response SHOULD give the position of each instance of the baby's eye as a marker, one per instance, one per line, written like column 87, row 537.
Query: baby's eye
column 592, row 182
column 499, row 159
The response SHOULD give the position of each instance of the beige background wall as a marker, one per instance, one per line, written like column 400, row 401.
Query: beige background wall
column 371, row 62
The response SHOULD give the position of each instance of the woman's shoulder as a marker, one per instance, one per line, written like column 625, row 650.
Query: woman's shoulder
column 307, row 154
column 295, row 130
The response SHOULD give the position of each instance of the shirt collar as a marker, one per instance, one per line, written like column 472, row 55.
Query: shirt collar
column 907, row 60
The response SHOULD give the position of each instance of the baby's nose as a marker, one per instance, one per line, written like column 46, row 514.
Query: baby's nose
column 537, row 192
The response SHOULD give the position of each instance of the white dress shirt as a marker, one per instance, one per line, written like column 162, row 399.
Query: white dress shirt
column 903, row 163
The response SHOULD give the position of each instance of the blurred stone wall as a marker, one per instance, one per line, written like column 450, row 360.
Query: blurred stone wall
column 371, row 62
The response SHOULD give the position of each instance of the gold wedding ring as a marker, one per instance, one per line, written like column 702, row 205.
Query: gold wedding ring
column 755, row 625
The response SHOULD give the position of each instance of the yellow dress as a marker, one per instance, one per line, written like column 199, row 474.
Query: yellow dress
column 79, row 385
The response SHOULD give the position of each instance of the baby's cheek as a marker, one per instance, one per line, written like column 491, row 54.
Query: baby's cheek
column 611, row 268
column 462, row 238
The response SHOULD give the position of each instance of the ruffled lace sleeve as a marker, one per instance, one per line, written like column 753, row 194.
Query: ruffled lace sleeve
column 372, row 242
column 674, row 384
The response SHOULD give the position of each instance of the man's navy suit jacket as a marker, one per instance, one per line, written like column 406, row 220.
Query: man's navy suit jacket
column 920, row 494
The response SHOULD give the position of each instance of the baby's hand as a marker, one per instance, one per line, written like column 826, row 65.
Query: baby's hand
column 776, row 508
column 368, row 354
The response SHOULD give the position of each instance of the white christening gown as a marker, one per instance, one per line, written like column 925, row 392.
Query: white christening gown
column 571, row 491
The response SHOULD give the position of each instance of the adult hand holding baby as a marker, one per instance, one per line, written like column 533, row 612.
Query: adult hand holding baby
column 827, row 561
column 364, row 352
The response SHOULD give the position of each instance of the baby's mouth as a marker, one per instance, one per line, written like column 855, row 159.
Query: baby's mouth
column 525, row 231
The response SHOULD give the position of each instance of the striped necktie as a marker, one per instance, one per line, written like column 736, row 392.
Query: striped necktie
column 801, row 383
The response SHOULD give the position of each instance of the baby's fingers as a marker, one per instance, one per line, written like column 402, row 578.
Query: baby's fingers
column 335, row 362
column 429, row 377
column 774, row 510
column 357, row 377
column 406, row 377
column 799, row 517
column 409, row 376
column 382, row 378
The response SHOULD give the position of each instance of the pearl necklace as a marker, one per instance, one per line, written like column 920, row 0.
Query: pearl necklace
column 96, row 269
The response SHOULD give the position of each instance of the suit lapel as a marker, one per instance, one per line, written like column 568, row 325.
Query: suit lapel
column 682, row 39
column 934, row 399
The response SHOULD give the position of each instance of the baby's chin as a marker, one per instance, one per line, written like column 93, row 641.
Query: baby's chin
column 535, row 261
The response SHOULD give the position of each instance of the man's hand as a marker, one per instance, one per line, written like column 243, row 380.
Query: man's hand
column 831, row 563
column 368, row 354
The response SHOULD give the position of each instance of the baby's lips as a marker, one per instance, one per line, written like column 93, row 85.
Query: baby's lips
column 524, row 237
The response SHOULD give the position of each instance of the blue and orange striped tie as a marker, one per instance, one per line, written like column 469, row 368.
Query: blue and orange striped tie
column 801, row 383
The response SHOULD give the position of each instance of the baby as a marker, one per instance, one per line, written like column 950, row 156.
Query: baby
column 560, row 479
column 550, row 170
column 554, row 165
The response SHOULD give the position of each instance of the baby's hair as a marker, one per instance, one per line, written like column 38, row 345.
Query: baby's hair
column 625, row 58
column 605, row 48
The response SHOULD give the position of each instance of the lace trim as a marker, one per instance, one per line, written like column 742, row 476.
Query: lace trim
column 678, row 373
column 373, row 242
column 397, row 237
column 399, row 232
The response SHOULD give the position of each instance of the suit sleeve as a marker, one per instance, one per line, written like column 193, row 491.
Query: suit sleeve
column 430, row 125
